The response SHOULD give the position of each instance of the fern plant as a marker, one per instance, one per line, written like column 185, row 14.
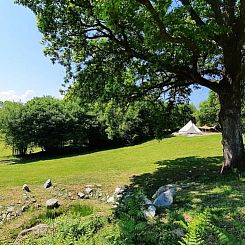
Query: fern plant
column 199, row 227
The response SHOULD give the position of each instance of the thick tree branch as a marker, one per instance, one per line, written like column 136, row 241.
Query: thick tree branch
column 124, row 44
column 193, row 13
column 229, row 11
column 215, row 6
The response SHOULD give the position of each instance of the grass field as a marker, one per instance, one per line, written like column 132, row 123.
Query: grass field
column 109, row 167
column 148, row 166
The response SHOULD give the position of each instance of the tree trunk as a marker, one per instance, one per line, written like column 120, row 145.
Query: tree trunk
column 230, row 120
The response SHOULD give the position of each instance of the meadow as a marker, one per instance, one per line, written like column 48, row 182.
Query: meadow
column 179, row 160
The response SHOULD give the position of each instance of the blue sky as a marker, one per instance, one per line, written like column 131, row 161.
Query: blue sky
column 25, row 71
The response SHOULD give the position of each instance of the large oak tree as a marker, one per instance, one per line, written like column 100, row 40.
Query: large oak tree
column 131, row 48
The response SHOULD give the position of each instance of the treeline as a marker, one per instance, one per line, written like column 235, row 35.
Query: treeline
column 54, row 124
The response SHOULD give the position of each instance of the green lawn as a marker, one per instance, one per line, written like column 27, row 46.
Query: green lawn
column 195, row 160
column 109, row 167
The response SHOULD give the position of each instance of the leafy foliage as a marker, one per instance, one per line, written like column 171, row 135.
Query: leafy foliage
column 43, row 122
column 199, row 227
column 208, row 114
column 13, row 128
column 131, row 49
column 142, row 120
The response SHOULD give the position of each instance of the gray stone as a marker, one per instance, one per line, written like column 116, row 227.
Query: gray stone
column 147, row 201
column 81, row 195
column 10, row 209
column 52, row 203
column 163, row 189
column 165, row 199
column 88, row 190
column 110, row 200
column 26, row 188
column 150, row 212
column 47, row 184
column 119, row 190
column 98, row 185
column 38, row 230
column 24, row 208
column 178, row 232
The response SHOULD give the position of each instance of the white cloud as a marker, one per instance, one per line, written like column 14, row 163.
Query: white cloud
column 11, row 95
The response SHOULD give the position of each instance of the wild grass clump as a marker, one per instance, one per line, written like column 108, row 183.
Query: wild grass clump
column 81, row 210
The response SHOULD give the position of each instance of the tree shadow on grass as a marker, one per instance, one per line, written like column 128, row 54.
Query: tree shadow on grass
column 202, row 188
column 63, row 153
column 180, row 170
column 206, row 186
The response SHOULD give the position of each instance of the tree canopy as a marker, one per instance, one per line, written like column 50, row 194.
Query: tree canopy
column 43, row 122
column 133, row 48
column 208, row 113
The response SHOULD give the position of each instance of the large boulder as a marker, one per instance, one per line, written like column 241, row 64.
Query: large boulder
column 163, row 189
column 165, row 199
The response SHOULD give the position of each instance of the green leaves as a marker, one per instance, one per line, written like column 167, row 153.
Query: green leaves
column 44, row 122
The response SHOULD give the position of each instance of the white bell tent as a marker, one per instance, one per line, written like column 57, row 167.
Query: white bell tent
column 190, row 128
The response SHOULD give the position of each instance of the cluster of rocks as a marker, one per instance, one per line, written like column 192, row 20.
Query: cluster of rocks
column 117, row 195
column 163, row 198
column 14, row 210
column 91, row 192
column 8, row 213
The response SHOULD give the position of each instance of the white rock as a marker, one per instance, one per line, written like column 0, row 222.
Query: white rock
column 163, row 189
column 47, row 184
column 110, row 200
column 150, row 212
column 10, row 209
column 81, row 195
column 88, row 190
column 24, row 208
column 119, row 190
